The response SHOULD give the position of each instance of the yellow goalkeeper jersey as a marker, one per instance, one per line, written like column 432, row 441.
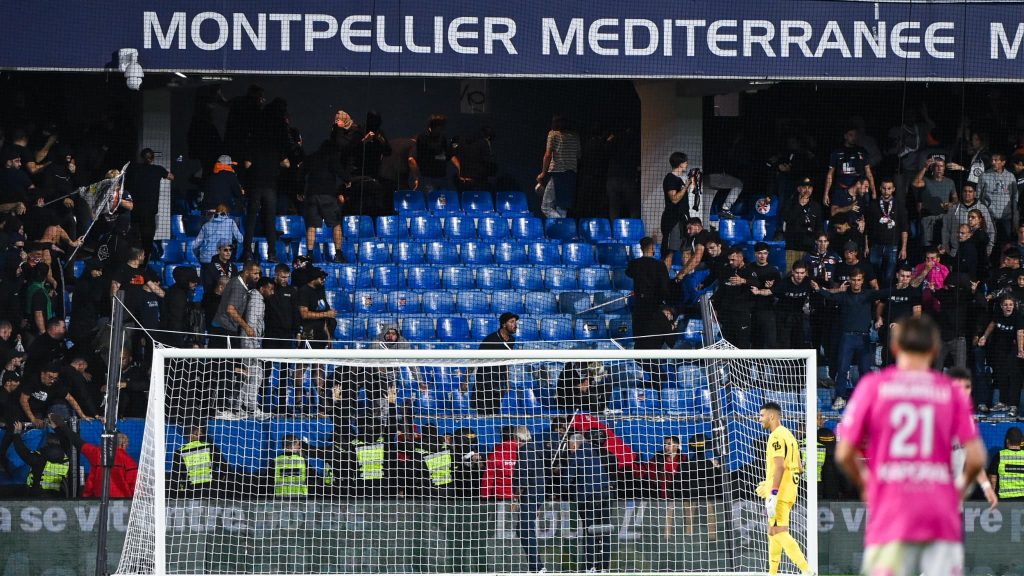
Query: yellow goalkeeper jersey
column 782, row 443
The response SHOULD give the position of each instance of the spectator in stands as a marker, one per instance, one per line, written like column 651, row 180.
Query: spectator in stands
column 930, row 275
column 1003, row 341
column 142, row 178
column 802, row 221
column 48, row 477
column 317, row 319
column 433, row 151
column 265, row 156
column 854, row 323
column 734, row 300
column 904, row 301
column 852, row 263
column 793, row 294
column 198, row 469
column 492, row 381
column 282, row 329
column 501, row 465
column 650, row 287
column 972, row 255
column 48, row 347
column 322, row 198
column 49, row 393
column 578, row 390
column 478, row 167
column 39, row 297
column 529, row 487
column 243, row 119
column 219, row 266
column 223, row 186
column 934, row 194
column 469, row 464
column 211, row 301
column 958, row 214
column 665, row 470
column 1006, row 468
column 846, row 166
column 888, row 232
column 1005, row 276
column 843, row 231
column 588, row 475
column 229, row 321
column 217, row 233
column 87, row 393
column 15, row 183
column 663, row 332
column 10, row 413
column 178, row 305
column 123, row 470
column 693, row 245
column 255, row 317
column 764, row 277
column 711, row 186
column 677, row 204
column 997, row 189
column 559, row 168
column 961, row 302
column 91, row 302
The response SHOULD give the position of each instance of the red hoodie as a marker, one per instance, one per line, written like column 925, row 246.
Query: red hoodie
column 122, row 474
column 501, row 464
column 615, row 446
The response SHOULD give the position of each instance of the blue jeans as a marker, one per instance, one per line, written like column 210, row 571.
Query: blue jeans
column 883, row 258
column 559, row 194
column 526, row 530
column 853, row 346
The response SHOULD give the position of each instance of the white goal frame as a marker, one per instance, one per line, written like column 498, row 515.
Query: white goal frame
column 156, row 413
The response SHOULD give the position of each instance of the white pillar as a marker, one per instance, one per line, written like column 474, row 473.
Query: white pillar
column 156, row 134
column 669, row 123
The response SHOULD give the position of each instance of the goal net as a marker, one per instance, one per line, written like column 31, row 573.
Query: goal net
column 457, row 461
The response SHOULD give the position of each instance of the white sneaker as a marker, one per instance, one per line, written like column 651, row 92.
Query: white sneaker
column 543, row 570
column 228, row 415
column 259, row 414
column 839, row 404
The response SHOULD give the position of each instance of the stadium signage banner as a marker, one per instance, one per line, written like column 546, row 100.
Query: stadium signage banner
column 791, row 39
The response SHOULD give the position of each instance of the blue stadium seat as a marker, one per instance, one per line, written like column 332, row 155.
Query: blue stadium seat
column 764, row 230
column 544, row 253
column 459, row 227
column 492, row 278
column 621, row 327
column 424, row 278
column 554, row 329
column 351, row 329
column 558, row 278
column 610, row 302
column 637, row 400
column 369, row 302
column 354, row 277
column 560, row 228
column 291, row 227
column 331, row 281
column 510, row 253
column 492, row 227
column 443, row 202
column 177, row 226
column 734, row 230
column 527, row 228
column 453, row 329
column 459, row 402
column 520, row 402
column 590, row 328
column 404, row 302
column 620, row 280
column 527, row 278
column 508, row 301
column 409, row 252
column 529, row 330
column 392, row 228
column 438, row 302
column 573, row 302
column 282, row 250
column 595, row 278
column 357, row 227
column 425, row 228
column 612, row 254
column 375, row 324
column 472, row 302
column 476, row 252
column 627, row 230
column 458, row 278
column 595, row 230
column 509, row 203
column 176, row 252
column 578, row 254
column 481, row 326
column 374, row 252
column 691, row 375
column 409, row 201
column 418, row 328
column 477, row 202
column 340, row 301
column 541, row 303
column 765, row 207
column 442, row 252
column 387, row 278
column 747, row 401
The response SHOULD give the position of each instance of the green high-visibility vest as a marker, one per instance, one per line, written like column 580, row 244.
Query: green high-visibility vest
column 198, row 460
column 439, row 465
column 1011, row 473
column 290, row 475
column 821, row 459
column 370, row 458
column 53, row 476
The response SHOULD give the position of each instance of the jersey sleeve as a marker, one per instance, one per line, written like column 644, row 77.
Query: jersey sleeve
column 853, row 426
column 963, row 424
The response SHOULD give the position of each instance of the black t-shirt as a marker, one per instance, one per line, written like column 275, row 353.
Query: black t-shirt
column 803, row 222
column 792, row 296
column 132, row 280
column 1004, row 333
column 494, row 341
column 843, row 272
column 735, row 299
column 766, row 276
column 670, row 183
column 43, row 350
column 314, row 300
column 885, row 222
column 849, row 164
column 901, row 303
column 689, row 243
column 41, row 397
column 143, row 182
column 432, row 154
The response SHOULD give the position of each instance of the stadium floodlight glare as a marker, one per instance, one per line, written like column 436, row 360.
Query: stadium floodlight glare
column 180, row 75
column 128, row 62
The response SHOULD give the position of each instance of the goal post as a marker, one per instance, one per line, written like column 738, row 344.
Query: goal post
column 405, row 472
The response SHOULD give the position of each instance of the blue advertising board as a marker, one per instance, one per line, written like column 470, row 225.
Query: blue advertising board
column 750, row 39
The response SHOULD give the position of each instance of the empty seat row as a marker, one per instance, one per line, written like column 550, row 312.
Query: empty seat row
column 426, row 277
column 478, row 302
column 470, row 202
column 562, row 329
column 481, row 252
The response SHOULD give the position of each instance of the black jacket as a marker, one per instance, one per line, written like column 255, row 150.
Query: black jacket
column 282, row 315
column 650, row 284
column 173, row 316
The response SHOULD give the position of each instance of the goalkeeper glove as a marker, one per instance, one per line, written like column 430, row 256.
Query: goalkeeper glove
column 771, row 503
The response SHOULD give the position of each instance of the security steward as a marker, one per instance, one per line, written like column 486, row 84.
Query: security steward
column 49, row 466
column 198, row 470
column 1006, row 471
column 293, row 476
column 436, row 462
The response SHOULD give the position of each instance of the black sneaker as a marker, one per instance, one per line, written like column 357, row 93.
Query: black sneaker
column 726, row 214
column 339, row 258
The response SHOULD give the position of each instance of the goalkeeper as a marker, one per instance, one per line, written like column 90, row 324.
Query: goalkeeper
column 782, row 464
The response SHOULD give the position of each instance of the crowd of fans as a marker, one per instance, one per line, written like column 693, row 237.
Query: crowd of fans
column 921, row 226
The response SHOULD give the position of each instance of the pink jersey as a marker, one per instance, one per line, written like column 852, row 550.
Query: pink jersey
column 908, row 423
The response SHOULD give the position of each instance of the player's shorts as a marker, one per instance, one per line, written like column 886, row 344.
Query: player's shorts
column 937, row 558
column 319, row 209
column 782, row 510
